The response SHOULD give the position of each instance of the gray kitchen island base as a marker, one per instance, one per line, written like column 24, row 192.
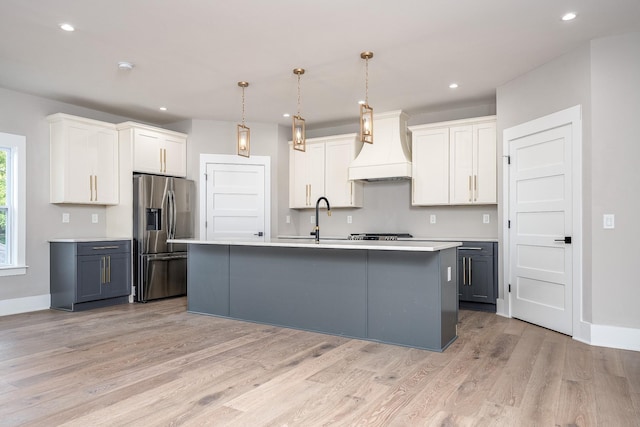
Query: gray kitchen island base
column 397, row 297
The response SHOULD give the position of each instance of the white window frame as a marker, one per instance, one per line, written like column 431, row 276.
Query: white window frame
column 16, row 144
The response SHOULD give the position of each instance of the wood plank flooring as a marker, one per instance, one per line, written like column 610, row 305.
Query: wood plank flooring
column 157, row 365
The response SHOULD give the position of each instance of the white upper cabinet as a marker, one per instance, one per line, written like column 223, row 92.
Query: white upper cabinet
column 322, row 170
column 430, row 166
column 473, row 164
column 155, row 150
column 306, row 176
column 84, row 161
column 339, row 153
column 454, row 162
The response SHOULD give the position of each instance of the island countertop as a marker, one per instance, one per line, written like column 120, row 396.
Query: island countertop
column 375, row 245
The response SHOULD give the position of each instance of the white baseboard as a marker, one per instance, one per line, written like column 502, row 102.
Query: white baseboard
column 25, row 304
column 615, row 337
column 501, row 309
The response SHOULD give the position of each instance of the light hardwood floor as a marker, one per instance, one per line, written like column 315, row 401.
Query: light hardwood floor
column 157, row 365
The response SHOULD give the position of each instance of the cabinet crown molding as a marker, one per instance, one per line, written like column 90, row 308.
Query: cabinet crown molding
column 134, row 125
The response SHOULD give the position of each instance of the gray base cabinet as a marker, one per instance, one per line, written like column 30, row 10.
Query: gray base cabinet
column 88, row 275
column 403, row 298
column 477, row 278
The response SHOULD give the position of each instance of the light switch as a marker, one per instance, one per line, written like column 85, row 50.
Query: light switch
column 349, row 219
column 486, row 218
column 287, row 219
column 312, row 219
column 65, row 217
column 94, row 218
column 608, row 221
column 432, row 219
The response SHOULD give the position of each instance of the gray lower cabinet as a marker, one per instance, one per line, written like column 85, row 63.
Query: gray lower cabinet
column 88, row 275
column 477, row 275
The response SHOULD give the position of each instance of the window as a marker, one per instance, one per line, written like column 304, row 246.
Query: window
column 12, row 204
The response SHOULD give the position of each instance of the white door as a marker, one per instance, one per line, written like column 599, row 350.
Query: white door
column 235, row 202
column 540, row 211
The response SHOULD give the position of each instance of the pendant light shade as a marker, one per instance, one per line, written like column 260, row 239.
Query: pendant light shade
column 244, row 133
column 297, row 123
column 366, row 112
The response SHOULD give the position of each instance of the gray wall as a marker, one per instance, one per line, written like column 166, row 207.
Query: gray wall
column 603, row 76
column 615, row 179
column 26, row 115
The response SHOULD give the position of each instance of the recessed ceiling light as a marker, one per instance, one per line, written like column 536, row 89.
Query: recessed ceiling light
column 163, row 108
column 453, row 85
column 286, row 115
column 569, row 16
column 67, row 27
column 125, row 65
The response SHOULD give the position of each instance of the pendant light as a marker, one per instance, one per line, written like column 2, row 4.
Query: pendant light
column 244, row 134
column 366, row 112
column 297, row 123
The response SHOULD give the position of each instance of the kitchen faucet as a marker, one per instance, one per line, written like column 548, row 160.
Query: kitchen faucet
column 316, row 230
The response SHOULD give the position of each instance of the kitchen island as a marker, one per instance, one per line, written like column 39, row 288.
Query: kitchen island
column 397, row 292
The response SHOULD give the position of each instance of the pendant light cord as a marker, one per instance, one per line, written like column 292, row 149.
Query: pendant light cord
column 366, row 79
column 243, row 106
column 298, row 94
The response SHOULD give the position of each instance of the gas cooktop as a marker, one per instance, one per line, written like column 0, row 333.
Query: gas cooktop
column 378, row 236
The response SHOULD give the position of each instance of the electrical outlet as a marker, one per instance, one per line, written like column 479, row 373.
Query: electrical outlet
column 65, row 217
column 608, row 221
column 349, row 219
column 312, row 219
column 432, row 219
column 486, row 218
column 287, row 219
column 94, row 218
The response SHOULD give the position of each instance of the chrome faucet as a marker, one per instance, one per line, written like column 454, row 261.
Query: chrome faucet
column 316, row 230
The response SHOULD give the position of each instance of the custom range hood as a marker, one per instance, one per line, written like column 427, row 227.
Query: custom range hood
column 389, row 157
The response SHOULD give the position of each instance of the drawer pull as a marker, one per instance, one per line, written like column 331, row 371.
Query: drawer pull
column 97, row 248
column 470, row 248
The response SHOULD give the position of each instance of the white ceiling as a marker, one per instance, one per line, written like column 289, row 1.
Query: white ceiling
column 190, row 54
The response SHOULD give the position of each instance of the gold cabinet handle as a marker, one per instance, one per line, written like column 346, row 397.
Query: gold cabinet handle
column 351, row 201
column 109, row 269
column 95, row 187
column 464, row 270
column 161, row 160
column 165, row 159
column 470, row 189
column 91, row 188
column 475, row 187
column 103, row 263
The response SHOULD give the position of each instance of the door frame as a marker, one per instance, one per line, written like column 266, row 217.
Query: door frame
column 229, row 159
column 573, row 117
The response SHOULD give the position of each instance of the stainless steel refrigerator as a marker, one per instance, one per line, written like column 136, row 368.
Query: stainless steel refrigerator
column 163, row 208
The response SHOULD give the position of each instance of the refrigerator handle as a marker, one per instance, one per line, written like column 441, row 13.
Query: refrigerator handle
column 173, row 214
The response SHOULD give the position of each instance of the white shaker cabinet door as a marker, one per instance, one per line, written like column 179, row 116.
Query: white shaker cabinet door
column 306, row 176
column 341, row 192
column 175, row 155
column 461, row 166
column 485, row 188
column 430, row 167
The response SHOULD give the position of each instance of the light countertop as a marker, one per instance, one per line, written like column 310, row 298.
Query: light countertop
column 408, row 239
column 376, row 245
column 88, row 239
